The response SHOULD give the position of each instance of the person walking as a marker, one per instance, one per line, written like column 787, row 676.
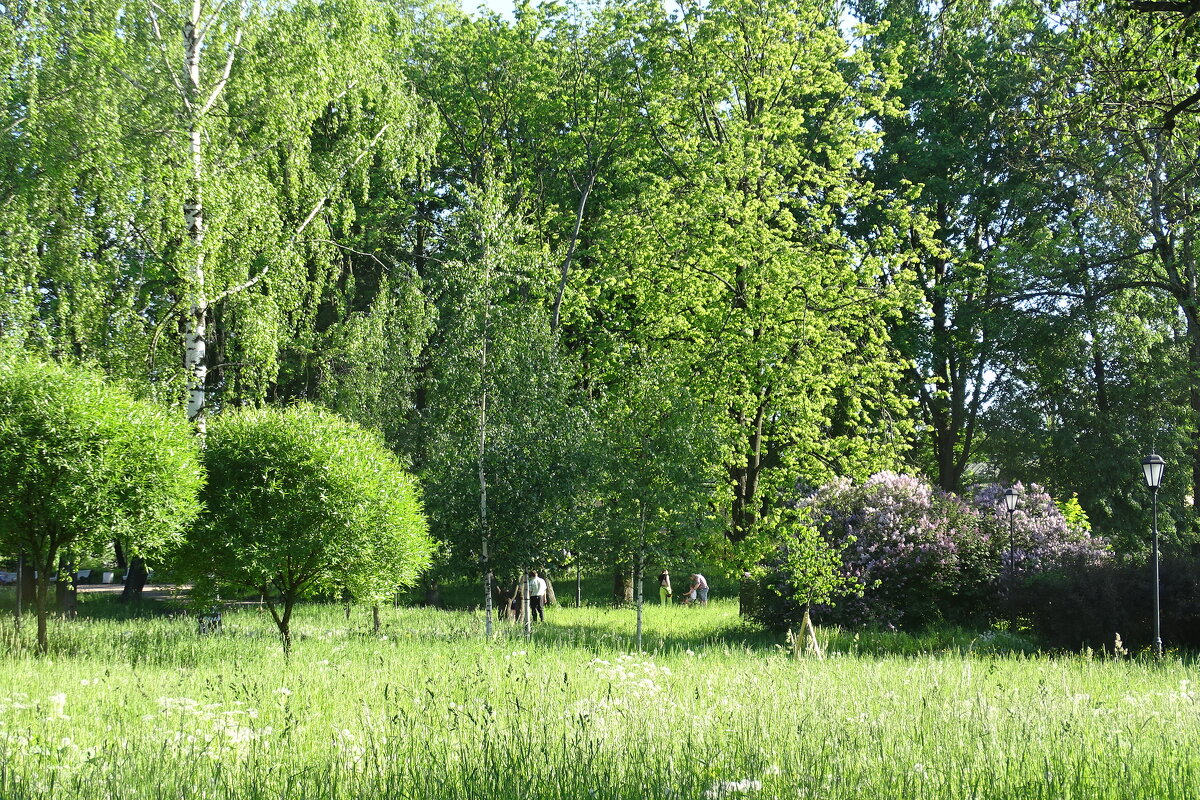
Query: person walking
column 537, row 596
column 664, row 588
column 700, row 588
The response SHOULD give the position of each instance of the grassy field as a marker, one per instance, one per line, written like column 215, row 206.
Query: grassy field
column 145, row 708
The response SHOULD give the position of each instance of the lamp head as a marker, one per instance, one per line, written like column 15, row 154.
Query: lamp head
column 1010, row 499
column 1152, row 470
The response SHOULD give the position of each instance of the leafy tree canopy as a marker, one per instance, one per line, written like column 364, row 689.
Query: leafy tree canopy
column 300, row 502
column 82, row 462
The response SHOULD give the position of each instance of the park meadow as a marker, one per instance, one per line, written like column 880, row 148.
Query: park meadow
column 142, row 707
column 362, row 319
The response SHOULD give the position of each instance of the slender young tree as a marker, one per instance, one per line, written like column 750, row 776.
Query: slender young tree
column 661, row 466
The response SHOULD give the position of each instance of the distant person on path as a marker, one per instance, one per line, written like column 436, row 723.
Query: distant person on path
column 699, row 588
column 664, row 588
column 537, row 596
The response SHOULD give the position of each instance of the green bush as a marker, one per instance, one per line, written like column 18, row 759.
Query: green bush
column 83, row 462
column 301, row 503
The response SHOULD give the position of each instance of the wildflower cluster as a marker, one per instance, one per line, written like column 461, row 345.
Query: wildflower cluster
column 729, row 788
column 631, row 674
column 209, row 729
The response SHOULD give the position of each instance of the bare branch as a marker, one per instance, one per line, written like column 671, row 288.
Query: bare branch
column 216, row 92
column 341, row 246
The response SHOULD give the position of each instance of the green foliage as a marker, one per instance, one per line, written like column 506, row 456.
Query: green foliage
column 498, row 400
column 804, row 569
column 1074, row 515
column 300, row 502
column 314, row 115
column 658, row 460
column 983, row 208
column 729, row 241
column 84, row 462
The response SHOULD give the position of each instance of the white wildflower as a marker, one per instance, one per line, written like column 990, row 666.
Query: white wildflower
column 58, row 706
column 726, row 788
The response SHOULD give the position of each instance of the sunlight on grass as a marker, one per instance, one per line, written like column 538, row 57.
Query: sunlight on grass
column 428, row 709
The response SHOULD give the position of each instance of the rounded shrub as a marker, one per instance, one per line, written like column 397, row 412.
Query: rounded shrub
column 301, row 502
column 83, row 462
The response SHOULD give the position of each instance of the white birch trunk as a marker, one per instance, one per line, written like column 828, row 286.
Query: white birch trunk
column 638, row 570
column 487, row 566
column 483, row 523
column 195, row 357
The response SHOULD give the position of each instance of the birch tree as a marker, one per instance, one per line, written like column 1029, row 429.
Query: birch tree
column 499, row 455
column 206, row 150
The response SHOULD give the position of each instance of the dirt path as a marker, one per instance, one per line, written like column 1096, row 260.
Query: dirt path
column 152, row 591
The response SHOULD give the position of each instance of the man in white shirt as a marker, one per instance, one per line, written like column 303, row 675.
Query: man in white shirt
column 537, row 596
column 700, row 587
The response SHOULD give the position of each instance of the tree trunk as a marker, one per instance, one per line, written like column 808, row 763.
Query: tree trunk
column 483, row 521
column 433, row 593
column 43, row 608
column 639, row 568
column 1194, row 398
column 622, row 585
column 195, row 321
column 551, row 598
column 119, row 554
column 283, row 621
column 375, row 619
column 747, row 596
column 135, row 582
column 285, row 625
column 509, row 599
column 27, row 591
column 565, row 268
column 525, row 605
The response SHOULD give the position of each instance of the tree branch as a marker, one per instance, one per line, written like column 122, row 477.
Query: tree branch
column 162, row 48
column 220, row 85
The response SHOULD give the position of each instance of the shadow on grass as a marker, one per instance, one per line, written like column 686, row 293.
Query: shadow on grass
column 103, row 606
column 600, row 637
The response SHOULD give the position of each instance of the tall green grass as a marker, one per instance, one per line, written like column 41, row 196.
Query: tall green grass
column 145, row 708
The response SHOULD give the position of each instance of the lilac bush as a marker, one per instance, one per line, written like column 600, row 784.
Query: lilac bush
column 925, row 555
column 1044, row 540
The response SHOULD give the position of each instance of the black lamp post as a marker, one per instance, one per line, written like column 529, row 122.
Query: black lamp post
column 1010, row 504
column 1152, row 470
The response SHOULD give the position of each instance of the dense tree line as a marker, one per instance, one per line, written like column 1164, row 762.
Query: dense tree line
column 612, row 278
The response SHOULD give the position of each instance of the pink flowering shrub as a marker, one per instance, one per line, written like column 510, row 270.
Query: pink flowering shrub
column 923, row 555
column 1044, row 540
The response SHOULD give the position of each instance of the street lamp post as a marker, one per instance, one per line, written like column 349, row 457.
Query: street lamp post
column 1152, row 470
column 1010, row 504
